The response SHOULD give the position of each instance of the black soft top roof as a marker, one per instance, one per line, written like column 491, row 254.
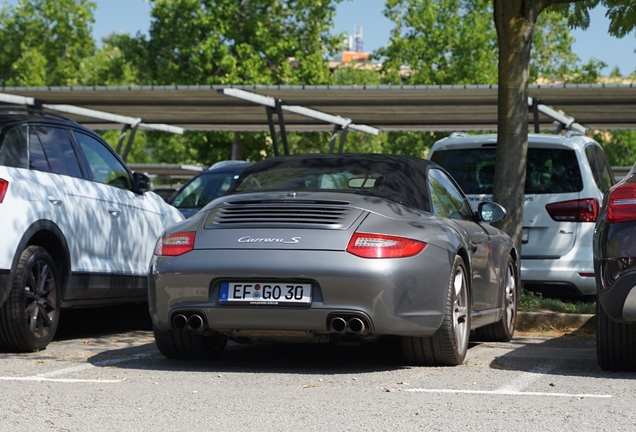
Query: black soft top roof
column 404, row 176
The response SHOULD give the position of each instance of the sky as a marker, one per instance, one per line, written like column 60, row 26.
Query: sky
column 132, row 16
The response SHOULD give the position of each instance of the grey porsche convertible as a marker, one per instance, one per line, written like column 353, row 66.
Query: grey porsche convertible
column 342, row 248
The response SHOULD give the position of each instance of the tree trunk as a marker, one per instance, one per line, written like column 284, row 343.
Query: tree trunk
column 515, row 22
column 237, row 146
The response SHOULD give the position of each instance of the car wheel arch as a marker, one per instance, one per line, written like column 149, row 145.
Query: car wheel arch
column 48, row 235
column 463, row 254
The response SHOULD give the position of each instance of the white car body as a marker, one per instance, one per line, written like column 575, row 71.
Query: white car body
column 78, row 227
column 556, row 255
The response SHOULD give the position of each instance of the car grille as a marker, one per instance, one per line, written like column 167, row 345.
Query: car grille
column 323, row 214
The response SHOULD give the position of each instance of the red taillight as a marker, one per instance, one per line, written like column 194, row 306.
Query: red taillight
column 4, row 185
column 621, row 204
column 383, row 246
column 583, row 210
column 175, row 244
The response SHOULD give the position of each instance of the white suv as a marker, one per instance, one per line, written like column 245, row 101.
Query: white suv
column 566, row 178
column 78, row 227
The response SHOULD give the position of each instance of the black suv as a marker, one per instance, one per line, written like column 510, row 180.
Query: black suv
column 615, row 270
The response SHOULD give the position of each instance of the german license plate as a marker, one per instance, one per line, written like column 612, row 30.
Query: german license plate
column 265, row 293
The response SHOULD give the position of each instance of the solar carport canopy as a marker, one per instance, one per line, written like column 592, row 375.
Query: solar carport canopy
column 388, row 108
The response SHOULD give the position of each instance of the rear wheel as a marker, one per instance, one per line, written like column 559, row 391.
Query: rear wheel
column 30, row 315
column 615, row 342
column 449, row 344
column 504, row 329
column 184, row 344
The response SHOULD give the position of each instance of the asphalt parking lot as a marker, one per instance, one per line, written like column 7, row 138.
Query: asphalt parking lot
column 103, row 372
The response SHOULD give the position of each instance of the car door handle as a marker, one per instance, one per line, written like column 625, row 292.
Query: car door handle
column 53, row 200
column 473, row 247
column 114, row 212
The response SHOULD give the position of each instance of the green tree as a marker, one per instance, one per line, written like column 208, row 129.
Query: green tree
column 118, row 62
column 515, row 21
column 232, row 42
column 455, row 42
column 44, row 42
column 241, row 42
column 441, row 41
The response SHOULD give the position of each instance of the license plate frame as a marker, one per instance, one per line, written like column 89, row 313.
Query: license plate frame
column 260, row 293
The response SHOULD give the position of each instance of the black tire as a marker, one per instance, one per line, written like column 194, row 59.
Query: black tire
column 30, row 315
column 449, row 344
column 615, row 342
column 184, row 344
column 504, row 329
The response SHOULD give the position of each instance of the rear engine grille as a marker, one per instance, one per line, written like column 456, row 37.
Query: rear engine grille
column 325, row 214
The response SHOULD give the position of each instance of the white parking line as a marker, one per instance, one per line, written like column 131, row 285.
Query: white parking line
column 509, row 393
column 515, row 387
column 47, row 376
column 525, row 379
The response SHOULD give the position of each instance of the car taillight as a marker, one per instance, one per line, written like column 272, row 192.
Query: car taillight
column 175, row 244
column 4, row 185
column 583, row 210
column 367, row 245
column 621, row 204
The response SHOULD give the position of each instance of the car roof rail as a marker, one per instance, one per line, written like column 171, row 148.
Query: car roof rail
column 459, row 134
column 35, row 111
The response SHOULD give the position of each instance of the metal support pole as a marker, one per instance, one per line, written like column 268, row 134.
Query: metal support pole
column 272, row 129
column 343, row 138
column 535, row 111
column 131, row 138
column 332, row 140
column 281, row 124
column 120, row 142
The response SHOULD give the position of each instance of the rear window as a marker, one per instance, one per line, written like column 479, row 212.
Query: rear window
column 548, row 171
column 332, row 179
column 401, row 179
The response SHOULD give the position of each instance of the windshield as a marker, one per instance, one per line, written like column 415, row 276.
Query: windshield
column 203, row 189
column 548, row 170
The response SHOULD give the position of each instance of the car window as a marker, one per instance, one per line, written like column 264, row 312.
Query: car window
column 57, row 149
column 446, row 200
column 37, row 157
column 13, row 147
column 338, row 179
column 104, row 165
column 203, row 189
column 547, row 171
column 601, row 171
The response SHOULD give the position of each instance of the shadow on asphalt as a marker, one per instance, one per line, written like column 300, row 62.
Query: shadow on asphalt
column 290, row 358
column 101, row 321
column 572, row 354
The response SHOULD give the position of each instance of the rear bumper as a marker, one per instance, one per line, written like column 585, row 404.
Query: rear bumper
column 619, row 300
column 565, row 271
column 405, row 296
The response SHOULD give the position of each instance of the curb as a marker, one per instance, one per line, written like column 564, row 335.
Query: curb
column 554, row 321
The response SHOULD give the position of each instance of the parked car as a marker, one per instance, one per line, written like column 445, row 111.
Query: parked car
column 207, row 185
column 78, row 226
column 336, row 247
column 566, row 177
column 615, row 268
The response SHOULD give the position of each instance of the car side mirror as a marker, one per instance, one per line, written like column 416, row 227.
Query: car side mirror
column 491, row 212
column 141, row 183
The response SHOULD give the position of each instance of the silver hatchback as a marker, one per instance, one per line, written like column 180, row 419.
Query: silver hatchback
column 566, row 178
